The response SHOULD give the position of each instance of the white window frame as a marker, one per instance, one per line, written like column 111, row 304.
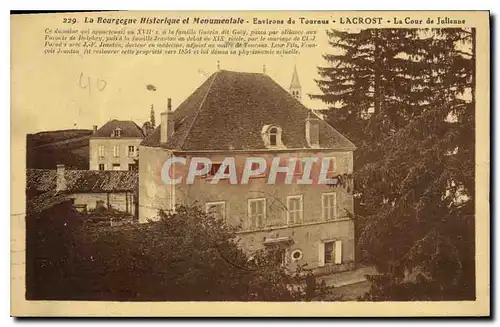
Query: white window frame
column 288, row 211
column 267, row 132
column 131, row 153
column 117, row 132
column 337, row 252
column 116, row 151
column 323, row 196
column 101, row 151
column 216, row 203
column 274, row 131
column 249, row 216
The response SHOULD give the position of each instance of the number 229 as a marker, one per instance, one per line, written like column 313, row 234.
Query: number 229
column 69, row 20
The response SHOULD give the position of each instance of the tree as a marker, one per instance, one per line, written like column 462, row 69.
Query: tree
column 152, row 117
column 415, row 200
column 185, row 256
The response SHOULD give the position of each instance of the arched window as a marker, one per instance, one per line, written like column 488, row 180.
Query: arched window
column 273, row 136
column 117, row 132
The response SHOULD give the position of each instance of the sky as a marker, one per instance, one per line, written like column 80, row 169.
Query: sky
column 52, row 92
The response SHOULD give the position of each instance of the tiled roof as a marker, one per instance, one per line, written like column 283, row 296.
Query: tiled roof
column 228, row 111
column 128, row 129
column 45, row 201
column 83, row 181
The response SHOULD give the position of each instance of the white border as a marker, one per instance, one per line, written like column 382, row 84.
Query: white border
column 212, row 5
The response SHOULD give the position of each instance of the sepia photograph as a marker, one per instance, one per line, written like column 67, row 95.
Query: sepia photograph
column 308, row 159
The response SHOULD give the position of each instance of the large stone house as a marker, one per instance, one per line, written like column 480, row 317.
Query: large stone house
column 242, row 115
column 115, row 146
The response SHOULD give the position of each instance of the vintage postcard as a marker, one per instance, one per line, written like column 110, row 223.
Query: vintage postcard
column 250, row 163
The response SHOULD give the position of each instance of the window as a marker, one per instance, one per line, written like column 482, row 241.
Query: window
column 214, row 168
column 280, row 255
column 101, row 151
column 313, row 132
column 217, row 209
column 256, row 213
column 131, row 150
column 132, row 167
column 116, row 166
column 329, row 252
column 116, row 151
column 117, row 132
column 329, row 206
column 102, row 167
column 299, row 167
column 294, row 209
column 255, row 166
column 296, row 255
column 273, row 136
column 332, row 165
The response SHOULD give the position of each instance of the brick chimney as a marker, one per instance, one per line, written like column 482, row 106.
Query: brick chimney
column 167, row 123
column 61, row 179
column 312, row 131
column 94, row 129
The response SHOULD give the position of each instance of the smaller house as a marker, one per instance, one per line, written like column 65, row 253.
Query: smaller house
column 88, row 189
column 115, row 146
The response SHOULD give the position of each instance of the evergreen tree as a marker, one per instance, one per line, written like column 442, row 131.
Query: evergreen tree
column 152, row 115
column 415, row 171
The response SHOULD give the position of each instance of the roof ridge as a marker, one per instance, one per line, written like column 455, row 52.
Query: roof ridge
column 336, row 131
column 138, row 127
column 186, row 134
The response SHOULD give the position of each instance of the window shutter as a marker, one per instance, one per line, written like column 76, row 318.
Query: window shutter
column 338, row 252
column 321, row 254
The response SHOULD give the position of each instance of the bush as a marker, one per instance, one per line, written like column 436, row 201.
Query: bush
column 184, row 256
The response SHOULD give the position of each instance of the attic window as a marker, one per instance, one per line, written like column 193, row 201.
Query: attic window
column 271, row 135
column 117, row 132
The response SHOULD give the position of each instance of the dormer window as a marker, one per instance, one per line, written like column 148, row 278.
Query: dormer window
column 271, row 135
column 312, row 132
column 117, row 132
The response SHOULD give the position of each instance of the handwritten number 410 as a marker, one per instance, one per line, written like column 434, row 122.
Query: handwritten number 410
column 87, row 83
